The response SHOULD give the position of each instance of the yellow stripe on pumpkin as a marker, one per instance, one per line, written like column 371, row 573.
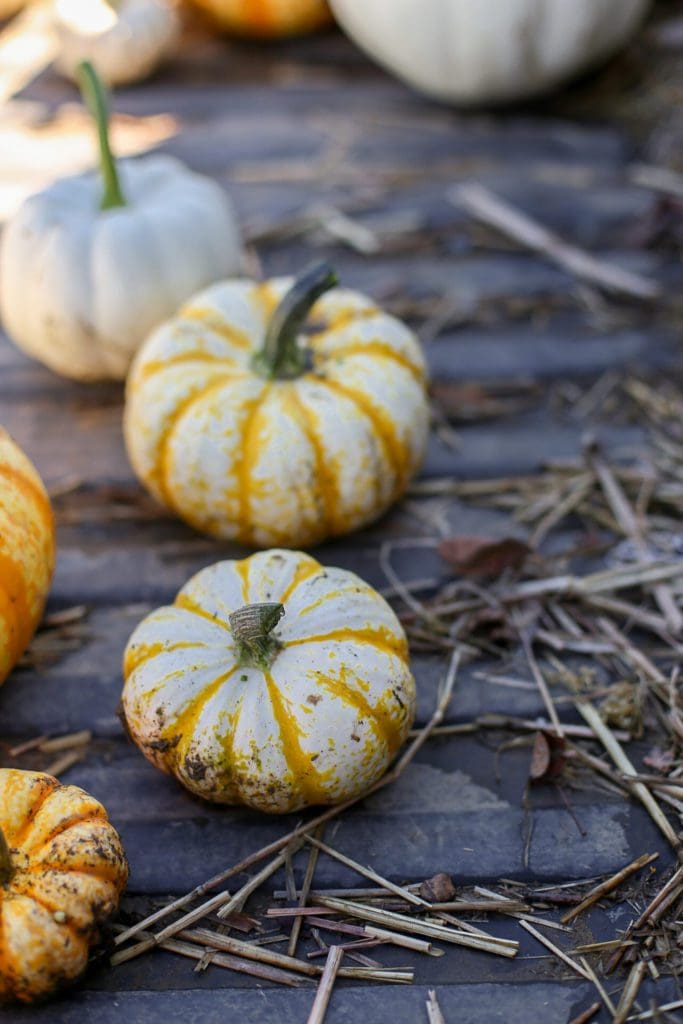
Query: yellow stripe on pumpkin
column 302, row 770
column 383, row 426
column 378, row 636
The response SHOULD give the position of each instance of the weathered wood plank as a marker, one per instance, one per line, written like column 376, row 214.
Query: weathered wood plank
column 468, row 1004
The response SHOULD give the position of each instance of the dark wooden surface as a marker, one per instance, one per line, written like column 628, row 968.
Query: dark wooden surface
column 285, row 128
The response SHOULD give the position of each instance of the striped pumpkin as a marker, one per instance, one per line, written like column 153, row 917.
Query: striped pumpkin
column 268, row 19
column 62, row 870
column 27, row 551
column 250, row 430
column 271, row 682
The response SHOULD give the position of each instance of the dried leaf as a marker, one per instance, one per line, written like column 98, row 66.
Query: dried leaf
column 438, row 889
column 547, row 757
column 484, row 556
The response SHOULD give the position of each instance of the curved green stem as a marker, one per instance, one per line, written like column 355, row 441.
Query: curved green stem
column 6, row 869
column 281, row 355
column 252, row 628
column 95, row 99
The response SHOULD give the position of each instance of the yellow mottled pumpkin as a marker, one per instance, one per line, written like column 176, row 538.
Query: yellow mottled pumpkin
column 27, row 551
column 268, row 19
column 273, row 682
column 268, row 414
column 62, row 870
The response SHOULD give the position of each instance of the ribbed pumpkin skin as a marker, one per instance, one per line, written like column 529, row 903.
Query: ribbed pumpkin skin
column 27, row 551
column 268, row 19
column 320, row 726
column 285, row 462
column 67, row 860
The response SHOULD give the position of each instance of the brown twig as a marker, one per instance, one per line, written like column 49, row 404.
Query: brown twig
column 609, row 885
column 584, row 1017
column 624, row 765
column 416, row 926
column 303, row 894
column 322, row 996
column 366, row 872
column 627, row 520
column 630, row 991
column 503, row 216
column 60, row 743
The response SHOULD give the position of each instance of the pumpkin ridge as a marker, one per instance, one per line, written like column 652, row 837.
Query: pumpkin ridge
column 381, row 638
column 30, row 489
column 324, row 483
column 304, row 571
column 76, row 934
column 187, row 604
column 245, row 464
column 382, row 426
column 15, row 609
column 215, row 323
column 386, row 729
column 329, row 595
column 242, row 570
column 155, row 366
column 143, row 653
column 160, row 470
column 64, row 826
column 303, row 774
column 8, row 965
column 105, row 872
column 47, row 788
column 344, row 318
column 266, row 298
column 374, row 348
column 185, row 723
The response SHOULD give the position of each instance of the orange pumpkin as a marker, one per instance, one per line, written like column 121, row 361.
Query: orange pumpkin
column 27, row 551
column 62, row 870
column 268, row 19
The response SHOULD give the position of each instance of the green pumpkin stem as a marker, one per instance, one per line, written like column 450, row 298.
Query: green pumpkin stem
column 95, row 98
column 281, row 356
column 252, row 627
column 6, row 869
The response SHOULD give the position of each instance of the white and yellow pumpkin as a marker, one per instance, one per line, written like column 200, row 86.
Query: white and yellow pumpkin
column 251, row 430
column 62, row 870
column 272, row 682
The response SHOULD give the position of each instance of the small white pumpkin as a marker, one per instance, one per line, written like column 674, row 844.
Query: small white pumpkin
column 251, row 429
column 271, row 682
column 126, row 40
column 85, row 278
column 473, row 52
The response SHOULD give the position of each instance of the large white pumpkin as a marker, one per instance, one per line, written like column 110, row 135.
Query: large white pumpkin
column 474, row 52
column 272, row 682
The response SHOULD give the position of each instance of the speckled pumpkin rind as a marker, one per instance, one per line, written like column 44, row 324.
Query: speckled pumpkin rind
column 268, row 19
column 27, row 551
column 69, row 872
column 320, row 727
column 281, row 463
